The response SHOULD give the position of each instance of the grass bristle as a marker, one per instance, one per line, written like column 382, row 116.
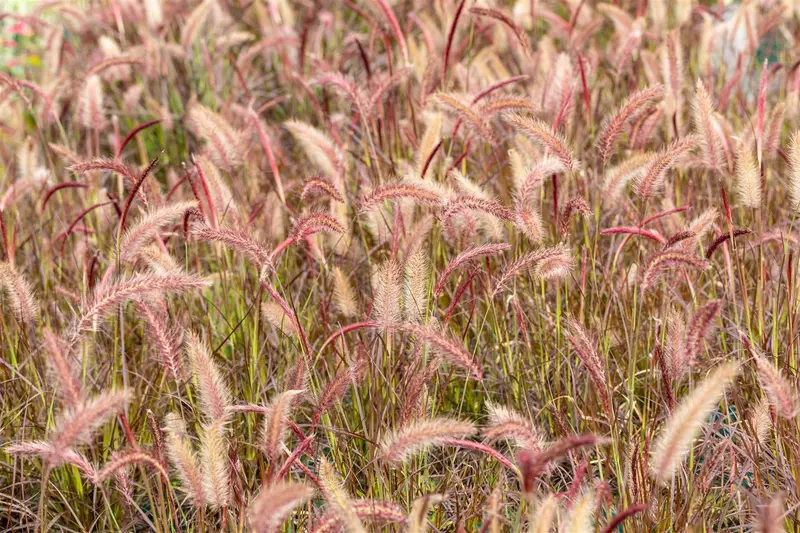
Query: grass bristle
column 213, row 391
column 748, row 178
column 273, row 505
column 675, row 440
column 613, row 126
column 338, row 499
column 20, row 293
column 397, row 446
column 542, row 133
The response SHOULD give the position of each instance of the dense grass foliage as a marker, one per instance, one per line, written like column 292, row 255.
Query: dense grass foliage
column 399, row 265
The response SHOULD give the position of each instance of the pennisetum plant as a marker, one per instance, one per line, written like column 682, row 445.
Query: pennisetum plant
column 370, row 208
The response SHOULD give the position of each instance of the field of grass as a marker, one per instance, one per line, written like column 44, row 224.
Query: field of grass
column 399, row 265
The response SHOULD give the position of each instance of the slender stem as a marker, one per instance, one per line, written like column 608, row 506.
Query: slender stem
column 43, row 499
